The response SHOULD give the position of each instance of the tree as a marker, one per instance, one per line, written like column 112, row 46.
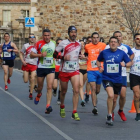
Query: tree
column 131, row 13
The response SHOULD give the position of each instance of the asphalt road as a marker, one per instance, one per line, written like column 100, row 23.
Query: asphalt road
column 21, row 119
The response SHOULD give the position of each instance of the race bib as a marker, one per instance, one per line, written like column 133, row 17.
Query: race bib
column 58, row 62
column 28, row 56
column 93, row 64
column 112, row 68
column 48, row 61
column 82, row 62
column 70, row 65
column 137, row 68
column 7, row 54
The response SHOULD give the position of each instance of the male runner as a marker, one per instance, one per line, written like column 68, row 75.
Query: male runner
column 44, row 50
column 69, row 70
column 135, row 75
column 94, row 76
column 122, row 98
column 112, row 80
column 8, row 49
column 29, row 64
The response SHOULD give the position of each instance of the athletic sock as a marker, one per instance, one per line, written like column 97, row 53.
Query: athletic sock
column 62, row 106
column 74, row 111
column 120, row 110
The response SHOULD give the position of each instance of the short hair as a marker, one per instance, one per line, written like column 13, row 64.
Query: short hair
column 116, row 33
column 58, row 39
column 114, row 38
column 94, row 33
column 46, row 30
column 88, row 37
column 6, row 34
column 136, row 35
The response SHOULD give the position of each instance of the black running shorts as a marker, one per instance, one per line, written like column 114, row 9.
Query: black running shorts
column 43, row 72
column 134, row 80
column 9, row 63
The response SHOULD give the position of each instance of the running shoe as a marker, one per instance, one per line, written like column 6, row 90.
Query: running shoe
column 122, row 115
column 37, row 98
column 86, row 98
column 35, row 88
column 6, row 87
column 95, row 111
column 54, row 93
column 8, row 81
column 30, row 96
column 113, row 116
column 75, row 116
column 58, row 101
column 48, row 110
column 109, row 120
column 137, row 117
column 62, row 112
column 82, row 103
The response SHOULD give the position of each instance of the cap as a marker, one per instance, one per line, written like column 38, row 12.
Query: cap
column 71, row 28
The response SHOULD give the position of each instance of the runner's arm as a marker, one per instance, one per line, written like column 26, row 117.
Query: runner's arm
column 34, row 55
column 57, row 56
column 1, row 48
column 15, row 48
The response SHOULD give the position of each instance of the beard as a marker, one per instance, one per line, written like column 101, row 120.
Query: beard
column 73, row 38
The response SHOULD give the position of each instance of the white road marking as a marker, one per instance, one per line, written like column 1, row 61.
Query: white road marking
column 39, row 116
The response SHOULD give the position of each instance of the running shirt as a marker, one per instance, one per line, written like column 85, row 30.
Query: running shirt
column 112, row 66
column 26, row 50
column 93, row 52
column 135, row 68
column 57, row 63
column 8, row 55
column 72, row 49
column 48, row 61
column 127, row 50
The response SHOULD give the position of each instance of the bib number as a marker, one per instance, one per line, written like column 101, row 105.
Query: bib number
column 93, row 64
column 7, row 54
column 48, row 61
column 112, row 68
column 69, row 65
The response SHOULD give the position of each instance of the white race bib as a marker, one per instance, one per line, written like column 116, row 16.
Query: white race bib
column 82, row 62
column 48, row 61
column 112, row 68
column 94, row 64
column 7, row 54
column 137, row 68
column 58, row 62
column 70, row 65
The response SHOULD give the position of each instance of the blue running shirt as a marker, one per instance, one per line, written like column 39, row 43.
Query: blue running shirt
column 112, row 66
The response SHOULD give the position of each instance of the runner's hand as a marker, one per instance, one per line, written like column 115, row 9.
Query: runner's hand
column 24, row 63
column 44, row 54
column 101, row 69
column 122, row 64
column 81, row 56
column 9, row 50
column 67, row 57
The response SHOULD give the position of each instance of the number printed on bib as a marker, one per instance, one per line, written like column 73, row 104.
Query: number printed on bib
column 112, row 68
column 58, row 62
column 7, row 54
column 94, row 64
column 70, row 65
column 48, row 61
column 137, row 67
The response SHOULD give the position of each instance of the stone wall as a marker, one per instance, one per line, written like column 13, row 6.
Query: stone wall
column 87, row 15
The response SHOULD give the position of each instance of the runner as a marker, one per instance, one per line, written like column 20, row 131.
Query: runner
column 122, row 98
column 8, row 49
column 44, row 50
column 112, row 79
column 29, row 65
column 56, row 80
column 94, row 76
column 83, row 72
column 69, row 70
column 135, row 75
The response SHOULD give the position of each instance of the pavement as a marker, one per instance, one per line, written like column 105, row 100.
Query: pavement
column 21, row 119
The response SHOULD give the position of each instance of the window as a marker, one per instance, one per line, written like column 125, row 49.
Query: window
column 6, row 17
column 25, row 13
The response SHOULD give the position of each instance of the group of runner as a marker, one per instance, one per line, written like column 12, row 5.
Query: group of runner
column 78, row 62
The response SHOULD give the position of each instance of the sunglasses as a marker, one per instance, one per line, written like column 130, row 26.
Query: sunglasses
column 31, row 36
column 58, row 43
column 137, row 38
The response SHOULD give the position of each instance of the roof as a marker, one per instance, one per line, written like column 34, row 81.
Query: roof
column 15, row 1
